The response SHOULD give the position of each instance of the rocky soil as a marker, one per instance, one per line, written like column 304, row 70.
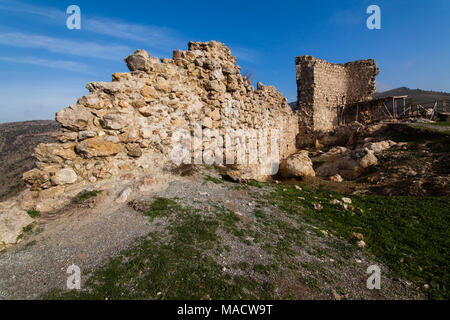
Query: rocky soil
column 287, row 256
column 396, row 159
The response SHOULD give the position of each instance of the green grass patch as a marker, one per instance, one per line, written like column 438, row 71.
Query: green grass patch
column 33, row 213
column 213, row 179
column 431, row 128
column 408, row 234
column 26, row 231
column 85, row 195
column 442, row 124
column 28, row 228
column 254, row 183
column 162, row 207
column 176, row 264
column 259, row 214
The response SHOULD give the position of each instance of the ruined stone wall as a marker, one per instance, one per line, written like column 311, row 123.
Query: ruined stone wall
column 323, row 86
column 128, row 124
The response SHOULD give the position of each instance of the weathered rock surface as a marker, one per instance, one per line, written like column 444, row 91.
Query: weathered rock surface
column 333, row 152
column 64, row 176
column 123, row 195
column 97, row 147
column 341, row 162
column 379, row 146
column 12, row 222
column 368, row 160
column 350, row 166
column 75, row 117
column 346, row 167
column 36, row 179
column 336, row 178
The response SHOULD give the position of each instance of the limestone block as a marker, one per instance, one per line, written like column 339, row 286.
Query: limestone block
column 64, row 176
column 97, row 147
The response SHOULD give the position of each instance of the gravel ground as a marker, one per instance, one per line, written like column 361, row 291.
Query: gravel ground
column 81, row 236
column 87, row 235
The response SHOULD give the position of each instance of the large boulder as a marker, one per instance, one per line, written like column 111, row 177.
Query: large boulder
column 74, row 117
column 36, row 179
column 368, row 159
column 12, row 222
column 333, row 152
column 97, row 147
column 349, row 166
column 244, row 173
column 297, row 165
column 64, row 176
column 379, row 146
column 137, row 60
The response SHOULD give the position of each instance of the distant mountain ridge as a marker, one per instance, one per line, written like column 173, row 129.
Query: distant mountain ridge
column 415, row 96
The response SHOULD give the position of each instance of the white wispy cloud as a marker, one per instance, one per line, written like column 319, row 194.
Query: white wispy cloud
column 153, row 36
column 63, row 46
column 73, row 66
column 21, row 7
column 245, row 54
column 158, row 40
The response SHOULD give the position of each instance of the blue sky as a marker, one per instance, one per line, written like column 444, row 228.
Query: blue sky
column 44, row 66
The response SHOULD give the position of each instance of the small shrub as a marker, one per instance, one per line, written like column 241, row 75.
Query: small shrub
column 259, row 213
column 33, row 213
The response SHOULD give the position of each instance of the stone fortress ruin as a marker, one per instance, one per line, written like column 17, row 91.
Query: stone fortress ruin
column 129, row 123
column 120, row 136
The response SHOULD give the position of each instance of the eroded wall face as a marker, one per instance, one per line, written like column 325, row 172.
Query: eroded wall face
column 361, row 78
column 305, row 91
column 323, row 86
column 331, row 87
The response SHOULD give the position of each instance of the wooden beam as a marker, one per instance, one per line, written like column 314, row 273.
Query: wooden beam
column 387, row 110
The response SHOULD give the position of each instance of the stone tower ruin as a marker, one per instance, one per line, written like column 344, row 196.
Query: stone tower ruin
column 323, row 86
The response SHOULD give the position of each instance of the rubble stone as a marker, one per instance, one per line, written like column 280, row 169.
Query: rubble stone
column 64, row 176
column 297, row 165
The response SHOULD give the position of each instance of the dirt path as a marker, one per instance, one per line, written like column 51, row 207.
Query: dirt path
column 84, row 237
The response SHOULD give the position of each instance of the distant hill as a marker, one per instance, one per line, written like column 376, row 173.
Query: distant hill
column 415, row 96
column 293, row 105
column 17, row 143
